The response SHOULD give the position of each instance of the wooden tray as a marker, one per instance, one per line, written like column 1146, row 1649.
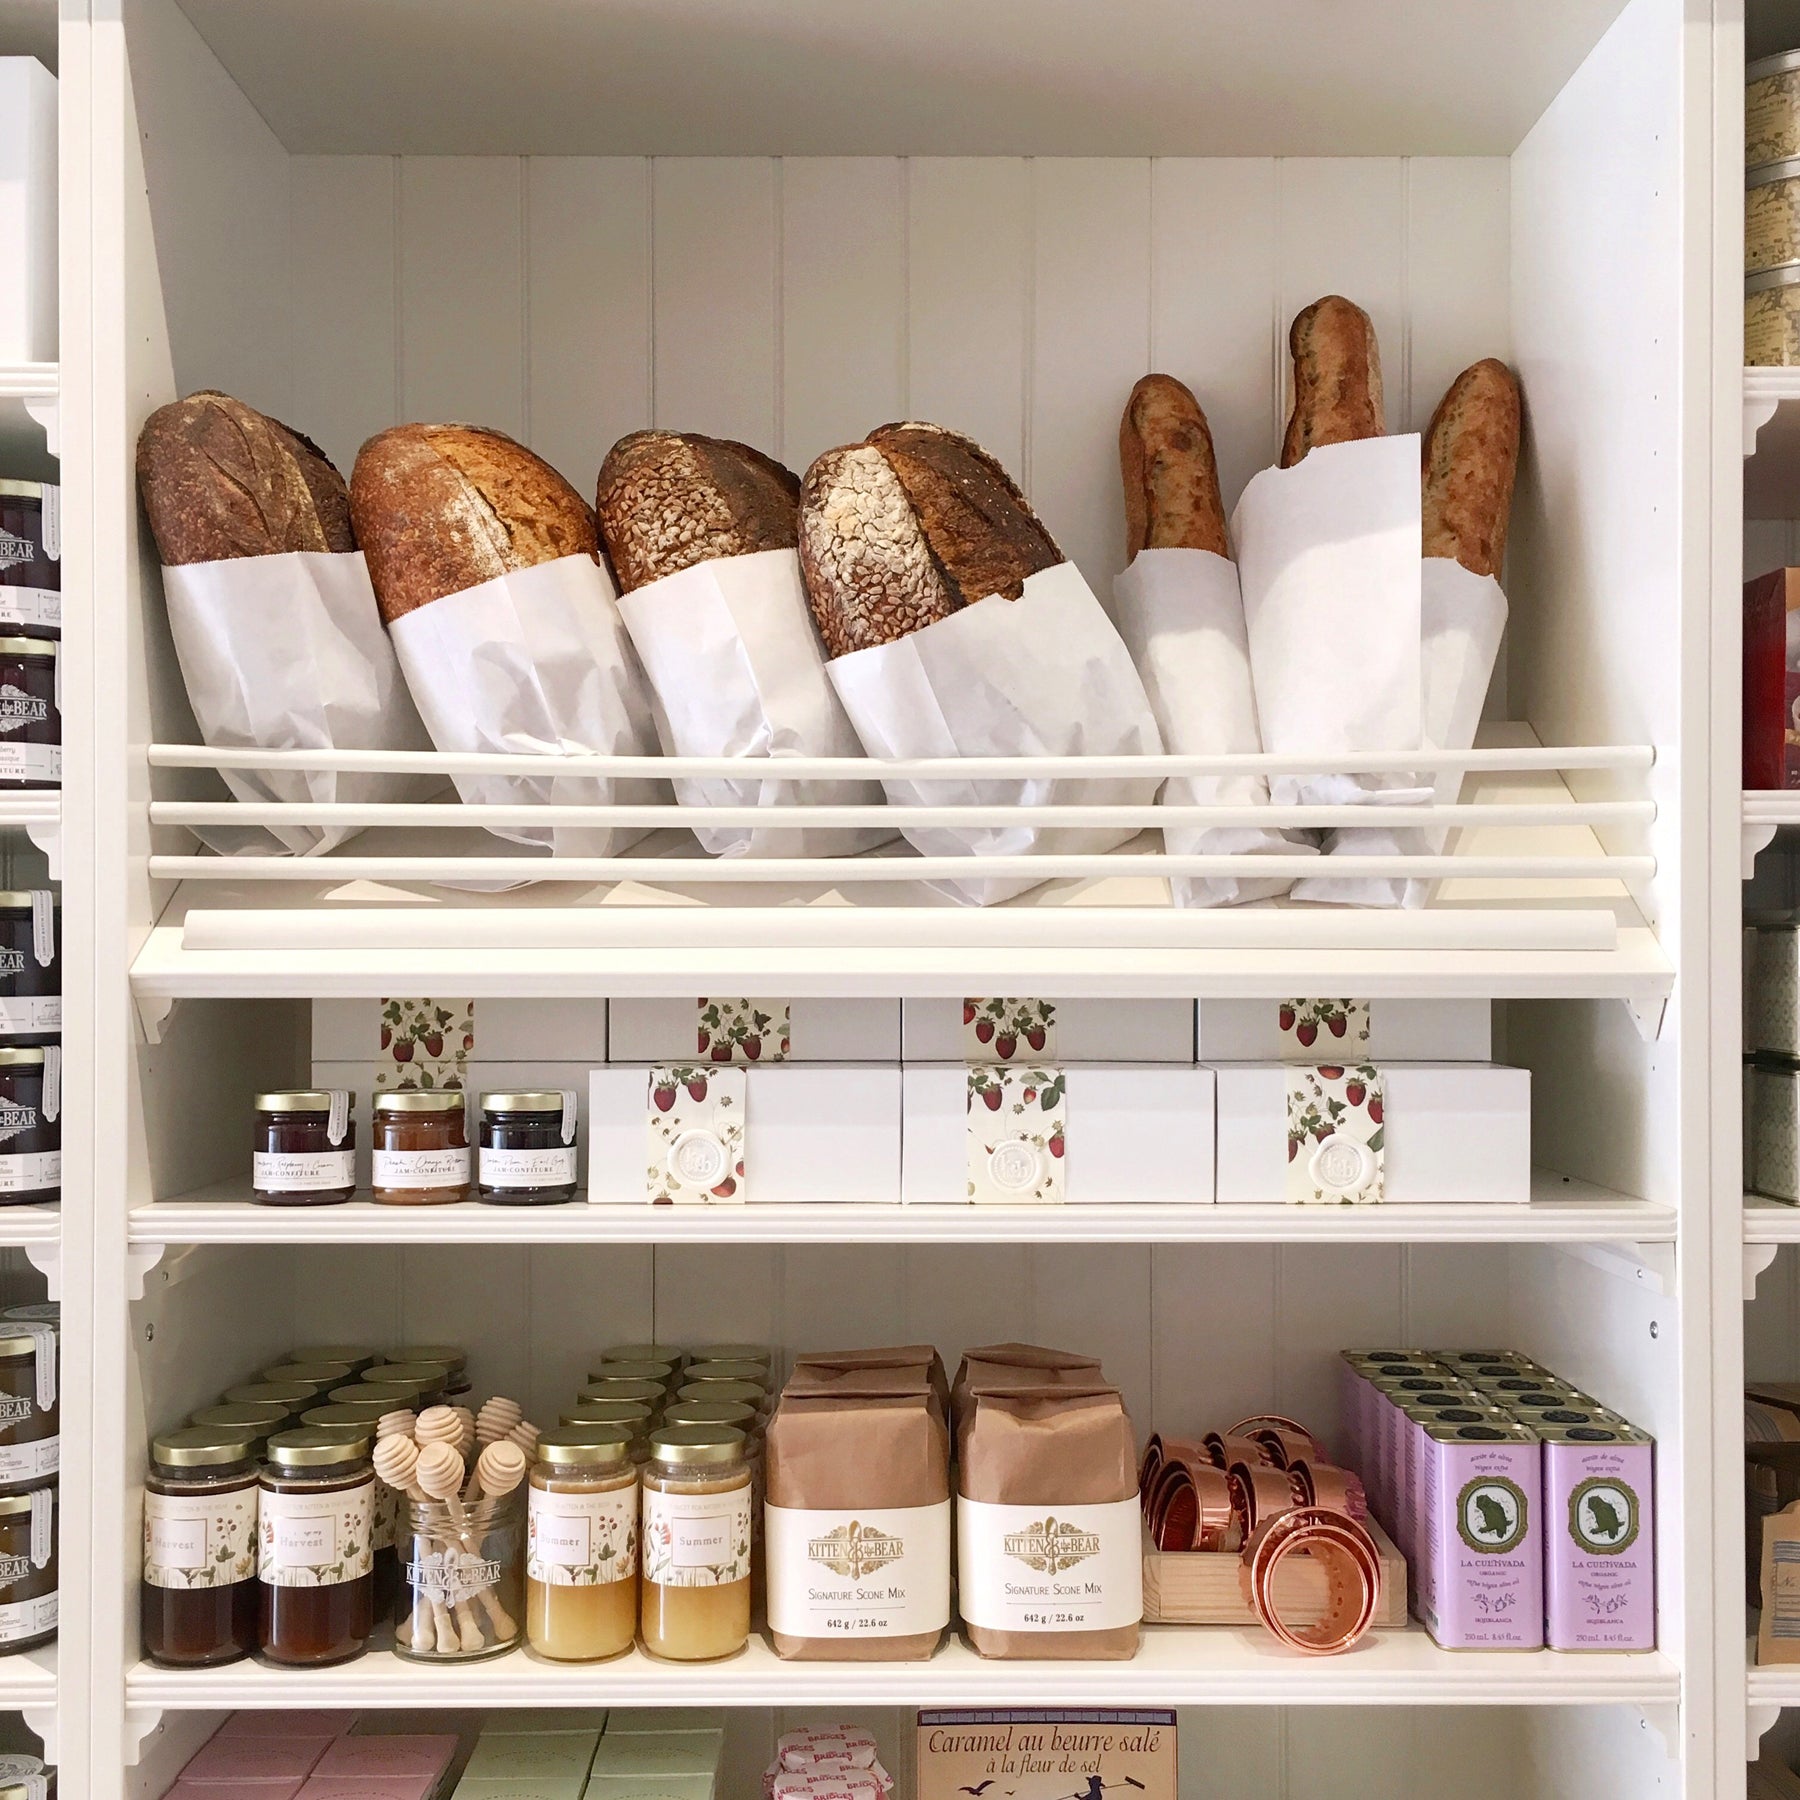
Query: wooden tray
column 1201, row 1587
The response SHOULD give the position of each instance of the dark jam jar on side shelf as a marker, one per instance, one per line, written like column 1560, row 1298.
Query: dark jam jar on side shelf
column 30, row 1123
column 200, row 1592
column 527, row 1155
column 30, row 965
column 305, row 1148
column 30, row 717
column 30, row 1414
column 28, row 1573
column 30, row 558
column 315, row 1557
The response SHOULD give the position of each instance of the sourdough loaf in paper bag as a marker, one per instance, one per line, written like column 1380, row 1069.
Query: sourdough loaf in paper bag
column 271, row 610
column 857, row 1516
column 1049, row 1560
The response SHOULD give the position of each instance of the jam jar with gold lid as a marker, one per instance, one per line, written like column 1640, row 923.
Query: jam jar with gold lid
column 28, row 1570
column 30, row 965
column 304, row 1152
column 315, row 1549
column 527, row 1148
column 30, row 714
column 30, row 1414
column 31, row 558
column 30, row 1123
column 421, row 1147
column 199, row 1596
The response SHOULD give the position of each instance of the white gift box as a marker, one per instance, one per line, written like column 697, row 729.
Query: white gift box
column 1084, row 1031
column 1398, row 1031
column 811, row 1133
column 27, row 210
column 1135, row 1133
column 839, row 1031
column 1454, row 1132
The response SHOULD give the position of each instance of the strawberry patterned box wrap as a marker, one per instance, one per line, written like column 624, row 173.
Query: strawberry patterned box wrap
column 676, row 1132
column 1081, row 1132
column 1444, row 1132
column 1316, row 1030
column 716, row 1028
column 1026, row 1029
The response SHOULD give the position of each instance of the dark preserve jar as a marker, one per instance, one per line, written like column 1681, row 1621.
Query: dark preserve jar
column 30, row 965
column 314, row 1551
column 199, row 1603
column 30, row 1413
column 527, row 1149
column 27, row 1568
column 31, row 558
column 30, row 1123
column 305, row 1152
column 30, row 718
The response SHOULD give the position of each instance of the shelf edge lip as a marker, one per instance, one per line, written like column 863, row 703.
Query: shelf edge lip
column 1769, row 1221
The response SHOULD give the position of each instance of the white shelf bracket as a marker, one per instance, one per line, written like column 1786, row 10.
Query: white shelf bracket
column 48, row 838
column 1665, row 1720
column 46, row 1257
column 140, row 1259
column 1757, row 1257
column 1758, row 1717
column 142, row 1723
column 40, row 1721
column 1759, row 409
column 152, row 1015
column 1649, row 1266
column 1756, row 839
column 1647, row 1010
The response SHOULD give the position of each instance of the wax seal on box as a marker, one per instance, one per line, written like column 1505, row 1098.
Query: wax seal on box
column 1335, row 1134
column 696, row 1129
column 1016, row 1134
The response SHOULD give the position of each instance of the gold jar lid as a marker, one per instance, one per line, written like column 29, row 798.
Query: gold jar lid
column 320, row 1375
column 422, row 1100
column 354, row 1354
column 13, row 1504
column 40, row 1312
column 344, row 1412
column 21, row 1055
column 756, row 1353
column 17, row 1343
column 395, row 1396
column 450, row 1356
column 584, row 1446
column 543, row 1100
column 631, row 1371
column 429, row 1375
column 355, row 1435
column 251, row 1417
column 693, row 1445
column 632, row 1414
column 651, row 1392
column 34, row 490
column 18, row 646
column 714, row 1412
column 656, row 1353
column 277, row 1393
column 318, row 1449
column 203, row 1447
column 728, row 1369
column 296, row 1100
column 745, row 1391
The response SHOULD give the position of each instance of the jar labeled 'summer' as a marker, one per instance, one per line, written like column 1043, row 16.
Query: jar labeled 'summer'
column 696, row 1538
column 581, row 1589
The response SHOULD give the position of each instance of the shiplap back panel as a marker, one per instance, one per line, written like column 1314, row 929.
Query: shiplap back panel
column 797, row 303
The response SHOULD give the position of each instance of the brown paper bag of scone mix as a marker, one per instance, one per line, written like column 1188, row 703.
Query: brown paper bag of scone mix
column 824, row 1364
column 1049, row 1560
column 856, row 1523
column 1019, row 1365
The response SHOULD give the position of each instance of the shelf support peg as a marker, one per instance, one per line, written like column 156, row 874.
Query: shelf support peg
column 1756, row 837
column 142, row 1723
column 1757, row 1257
column 1758, row 1717
column 152, row 1015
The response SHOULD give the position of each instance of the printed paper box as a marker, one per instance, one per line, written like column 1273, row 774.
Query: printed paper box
column 1772, row 990
column 821, row 1132
column 1015, row 1029
column 1451, row 1132
column 841, row 1031
column 1067, row 1754
column 1359, row 1030
column 1131, row 1132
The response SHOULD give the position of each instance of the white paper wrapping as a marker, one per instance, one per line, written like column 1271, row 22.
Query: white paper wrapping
column 536, row 662
column 1464, row 617
column 287, row 653
column 1182, row 618
column 736, row 669
column 1328, row 555
column 1044, row 675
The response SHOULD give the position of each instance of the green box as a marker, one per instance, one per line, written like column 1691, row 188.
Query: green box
column 659, row 1753
column 563, row 1754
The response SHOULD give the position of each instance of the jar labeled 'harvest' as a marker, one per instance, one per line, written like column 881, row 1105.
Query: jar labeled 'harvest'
column 581, row 1589
column 421, row 1154
column 315, row 1522
column 199, row 1598
column 696, row 1543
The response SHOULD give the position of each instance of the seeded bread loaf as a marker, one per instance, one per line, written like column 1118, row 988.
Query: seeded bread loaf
column 440, row 508
column 1171, row 478
column 220, row 480
column 1337, row 378
column 901, row 530
column 1470, row 457
column 670, row 499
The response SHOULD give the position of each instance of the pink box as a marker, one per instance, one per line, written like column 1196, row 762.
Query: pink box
column 316, row 1724
column 235, row 1790
column 389, row 1787
column 356, row 1758
column 256, row 1759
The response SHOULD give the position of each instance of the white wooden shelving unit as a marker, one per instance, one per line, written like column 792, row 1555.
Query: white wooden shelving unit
column 785, row 221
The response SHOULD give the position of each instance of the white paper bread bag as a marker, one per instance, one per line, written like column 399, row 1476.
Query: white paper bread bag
column 700, row 532
column 271, row 611
column 955, row 627
column 735, row 669
column 1181, row 615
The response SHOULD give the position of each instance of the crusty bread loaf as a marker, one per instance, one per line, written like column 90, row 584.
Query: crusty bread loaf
column 1337, row 378
column 1171, row 478
column 903, row 529
column 440, row 508
column 219, row 480
column 669, row 499
column 1470, row 457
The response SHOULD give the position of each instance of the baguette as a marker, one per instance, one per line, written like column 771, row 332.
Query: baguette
column 440, row 508
column 221, row 480
column 1470, row 457
column 667, row 500
column 905, row 528
column 1171, row 477
column 1337, row 378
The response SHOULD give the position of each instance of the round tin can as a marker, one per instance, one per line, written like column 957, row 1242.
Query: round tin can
column 1772, row 109
column 1772, row 319
column 1772, row 217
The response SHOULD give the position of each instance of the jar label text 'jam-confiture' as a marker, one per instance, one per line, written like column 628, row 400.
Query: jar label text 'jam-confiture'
column 302, row 1171
column 421, row 1168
